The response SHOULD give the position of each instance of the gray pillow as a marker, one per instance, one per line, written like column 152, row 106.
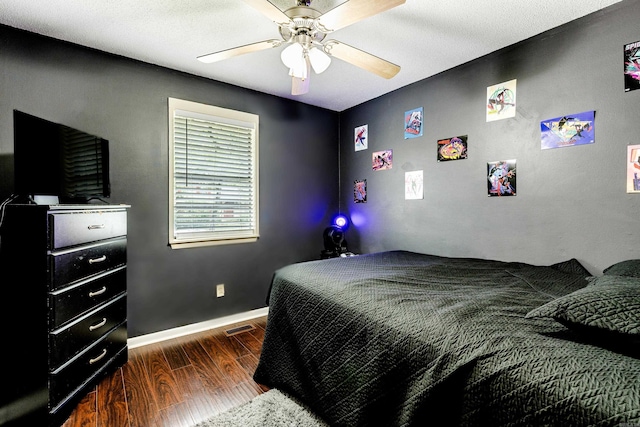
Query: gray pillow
column 609, row 305
column 572, row 266
column 630, row 268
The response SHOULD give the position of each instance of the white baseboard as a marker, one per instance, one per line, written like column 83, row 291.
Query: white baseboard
column 195, row 327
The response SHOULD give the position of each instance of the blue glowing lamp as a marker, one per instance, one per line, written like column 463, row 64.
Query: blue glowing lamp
column 341, row 221
column 333, row 236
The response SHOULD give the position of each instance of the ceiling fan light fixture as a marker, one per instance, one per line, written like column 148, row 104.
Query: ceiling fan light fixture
column 320, row 61
column 292, row 55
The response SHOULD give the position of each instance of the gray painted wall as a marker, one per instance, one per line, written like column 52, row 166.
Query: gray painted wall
column 125, row 102
column 571, row 202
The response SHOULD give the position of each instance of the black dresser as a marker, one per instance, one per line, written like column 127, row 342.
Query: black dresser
column 63, row 305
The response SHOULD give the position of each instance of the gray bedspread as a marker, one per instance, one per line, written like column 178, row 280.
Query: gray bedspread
column 400, row 338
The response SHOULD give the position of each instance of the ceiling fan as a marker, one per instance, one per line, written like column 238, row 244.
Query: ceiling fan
column 304, row 29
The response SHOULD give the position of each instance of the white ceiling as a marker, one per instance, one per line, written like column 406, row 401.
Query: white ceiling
column 424, row 37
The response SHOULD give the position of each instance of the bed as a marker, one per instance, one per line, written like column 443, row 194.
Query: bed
column 400, row 338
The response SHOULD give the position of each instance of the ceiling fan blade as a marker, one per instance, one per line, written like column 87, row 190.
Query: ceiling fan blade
column 269, row 10
column 353, row 11
column 299, row 86
column 361, row 59
column 240, row 50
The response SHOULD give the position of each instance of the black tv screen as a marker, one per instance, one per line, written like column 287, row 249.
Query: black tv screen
column 57, row 160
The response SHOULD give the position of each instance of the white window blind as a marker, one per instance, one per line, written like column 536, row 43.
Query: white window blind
column 214, row 175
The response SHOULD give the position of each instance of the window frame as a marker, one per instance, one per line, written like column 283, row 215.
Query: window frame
column 215, row 115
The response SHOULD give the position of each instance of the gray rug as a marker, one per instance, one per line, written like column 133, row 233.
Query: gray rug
column 271, row 409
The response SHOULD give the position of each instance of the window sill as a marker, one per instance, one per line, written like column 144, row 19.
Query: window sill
column 198, row 244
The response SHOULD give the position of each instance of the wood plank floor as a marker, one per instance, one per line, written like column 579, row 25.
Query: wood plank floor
column 178, row 382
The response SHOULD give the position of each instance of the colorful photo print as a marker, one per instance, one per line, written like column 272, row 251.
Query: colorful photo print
column 413, row 123
column 565, row 131
column 413, row 189
column 501, row 178
column 632, row 66
column 501, row 101
column 452, row 148
column 360, row 191
column 361, row 137
column 633, row 169
column 382, row 160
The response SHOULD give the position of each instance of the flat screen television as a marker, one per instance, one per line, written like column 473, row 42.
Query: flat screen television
column 56, row 160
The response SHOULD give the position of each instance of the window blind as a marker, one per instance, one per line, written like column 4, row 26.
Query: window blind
column 215, row 178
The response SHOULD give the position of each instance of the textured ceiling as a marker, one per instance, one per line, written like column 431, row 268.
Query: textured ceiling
column 424, row 37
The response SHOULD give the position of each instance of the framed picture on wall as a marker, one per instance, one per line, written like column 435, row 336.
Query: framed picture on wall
column 501, row 101
column 633, row 169
column 569, row 130
column 361, row 137
column 413, row 188
column 413, row 121
column 382, row 160
column 501, row 178
column 360, row 191
column 632, row 66
column 452, row 148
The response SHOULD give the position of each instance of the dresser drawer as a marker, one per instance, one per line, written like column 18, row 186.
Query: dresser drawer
column 67, row 303
column 66, row 342
column 77, row 228
column 82, row 368
column 72, row 265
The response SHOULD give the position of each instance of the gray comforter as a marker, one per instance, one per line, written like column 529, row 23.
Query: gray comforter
column 400, row 338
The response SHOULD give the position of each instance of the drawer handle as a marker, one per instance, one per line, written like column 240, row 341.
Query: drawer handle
column 98, row 325
column 100, row 292
column 102, row 355
column 96, row 227
column 94, row 260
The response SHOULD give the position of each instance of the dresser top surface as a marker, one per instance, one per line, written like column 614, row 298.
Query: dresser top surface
column 62, row 207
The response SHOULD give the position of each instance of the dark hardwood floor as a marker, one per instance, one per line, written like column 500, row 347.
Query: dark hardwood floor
column 177, row 382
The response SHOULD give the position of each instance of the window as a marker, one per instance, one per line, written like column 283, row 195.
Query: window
column 213, row 176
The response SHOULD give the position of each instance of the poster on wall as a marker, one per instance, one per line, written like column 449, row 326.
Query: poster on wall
column 382, row 160
column 361, row 137
column 501, row 101
column 501, row 178
column 452, row 148
column 566, row 131
column 413, row 123
column 413, row 189
column 632, row 66
column 360, row 191
column 633, row 169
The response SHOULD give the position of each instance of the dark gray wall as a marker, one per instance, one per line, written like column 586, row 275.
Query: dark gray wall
column 126, row 102
column 571, row 202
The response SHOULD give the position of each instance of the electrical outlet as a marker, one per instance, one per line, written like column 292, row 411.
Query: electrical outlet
column 220, row 290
